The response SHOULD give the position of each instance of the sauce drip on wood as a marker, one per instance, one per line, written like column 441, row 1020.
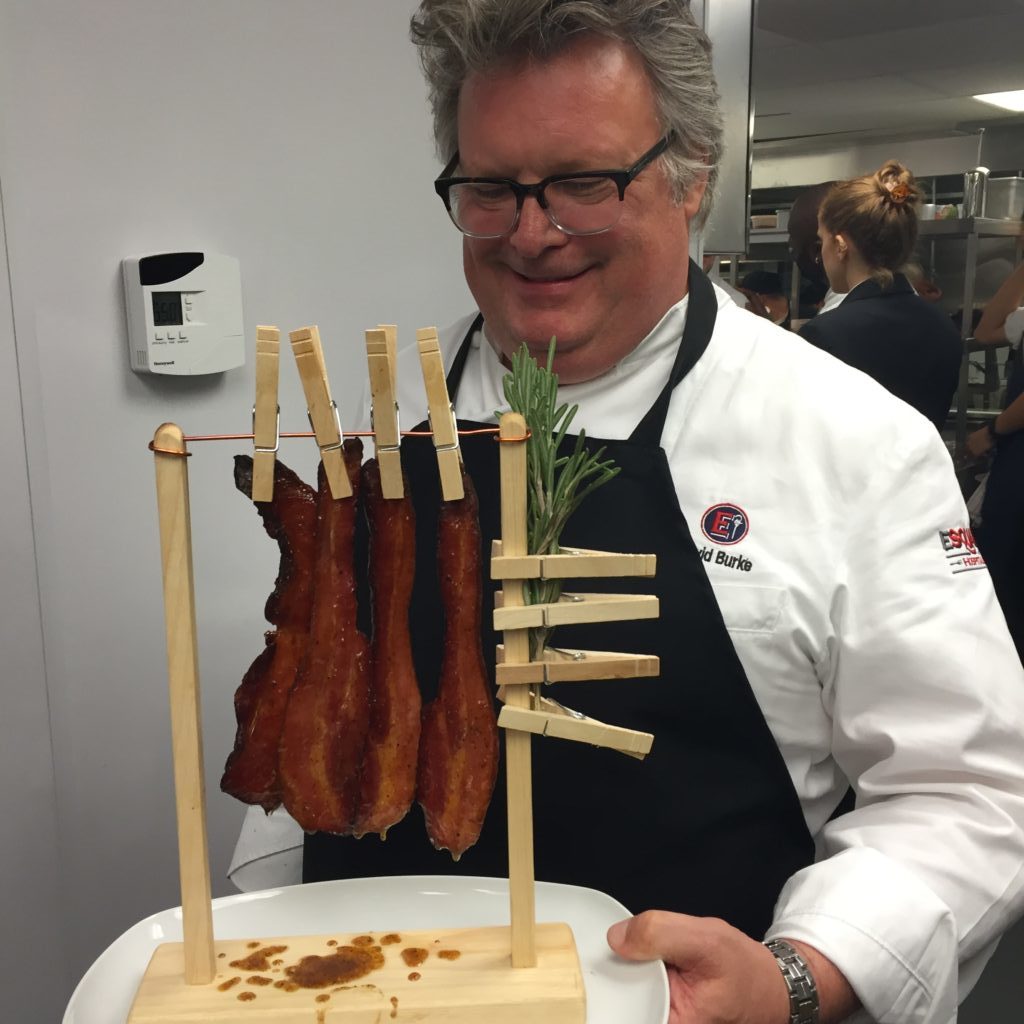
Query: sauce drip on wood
column 346, row 964
column 258, row 961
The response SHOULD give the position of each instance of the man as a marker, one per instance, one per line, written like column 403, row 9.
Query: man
column 766, row 288
column 815, row 628
column 1001, row 533
column 804, row 246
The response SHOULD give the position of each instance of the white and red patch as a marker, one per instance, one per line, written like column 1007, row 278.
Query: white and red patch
column 961, row 550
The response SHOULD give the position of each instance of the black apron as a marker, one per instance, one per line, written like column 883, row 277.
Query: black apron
column 709, row 823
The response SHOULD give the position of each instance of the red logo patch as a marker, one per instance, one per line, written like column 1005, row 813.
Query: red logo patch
column 961, row 550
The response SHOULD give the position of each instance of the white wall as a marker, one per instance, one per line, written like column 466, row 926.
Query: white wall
column 294, row 136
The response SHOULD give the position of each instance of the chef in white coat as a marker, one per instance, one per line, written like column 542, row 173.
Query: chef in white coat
column 850, row 637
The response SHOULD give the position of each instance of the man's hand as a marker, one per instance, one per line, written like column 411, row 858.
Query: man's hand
column 979, row 442
column 718, row 975
column 755, row 304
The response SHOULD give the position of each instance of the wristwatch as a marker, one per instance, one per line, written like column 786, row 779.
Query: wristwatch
column 803, row 993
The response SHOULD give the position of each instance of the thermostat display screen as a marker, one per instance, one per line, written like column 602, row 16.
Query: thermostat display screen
column 166, row 308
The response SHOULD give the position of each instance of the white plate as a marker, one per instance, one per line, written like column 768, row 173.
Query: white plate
column 616, row 991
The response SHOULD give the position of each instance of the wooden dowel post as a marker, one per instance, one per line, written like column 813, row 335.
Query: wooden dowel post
column 517, row 743
column 186, row 727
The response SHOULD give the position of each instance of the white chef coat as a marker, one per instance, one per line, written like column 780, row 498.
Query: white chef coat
column 1013, row 328
column 831, row 300
column 870, row 635
column 724, row 291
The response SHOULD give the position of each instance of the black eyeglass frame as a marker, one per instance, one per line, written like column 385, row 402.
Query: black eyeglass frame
column 621, row 179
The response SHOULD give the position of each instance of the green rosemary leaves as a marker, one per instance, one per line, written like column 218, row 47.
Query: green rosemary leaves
column 556, row 484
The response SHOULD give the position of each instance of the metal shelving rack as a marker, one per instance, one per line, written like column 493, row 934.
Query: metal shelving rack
column 971, row 230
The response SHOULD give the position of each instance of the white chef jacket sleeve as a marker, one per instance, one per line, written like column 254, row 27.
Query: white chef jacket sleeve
column 926, row 696
column 1014, row 328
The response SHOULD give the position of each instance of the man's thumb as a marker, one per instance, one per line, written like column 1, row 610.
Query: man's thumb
column 652, row 935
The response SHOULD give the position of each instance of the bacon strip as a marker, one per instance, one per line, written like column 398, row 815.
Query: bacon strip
column 459, row 747
column 327, row 717
column 388, row 782
column 250, row 774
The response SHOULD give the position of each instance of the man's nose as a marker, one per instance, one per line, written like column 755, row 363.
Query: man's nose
column 535, row 231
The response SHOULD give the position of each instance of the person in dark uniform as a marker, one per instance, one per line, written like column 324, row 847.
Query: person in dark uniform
column 867, row 228
column 767, row 288
column 805, row 249
column 812, row 635
column 1001, row 533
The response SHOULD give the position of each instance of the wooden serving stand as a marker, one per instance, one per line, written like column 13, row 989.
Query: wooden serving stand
column 498, row 974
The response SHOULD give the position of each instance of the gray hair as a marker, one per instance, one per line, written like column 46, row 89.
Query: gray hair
column 459, row 37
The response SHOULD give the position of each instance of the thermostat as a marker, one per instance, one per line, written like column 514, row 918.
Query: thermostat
column 184, row 312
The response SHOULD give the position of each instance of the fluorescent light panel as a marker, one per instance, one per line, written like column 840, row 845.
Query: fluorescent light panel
column 1007, row 100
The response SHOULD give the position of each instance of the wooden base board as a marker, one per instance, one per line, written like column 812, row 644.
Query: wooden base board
column 479, row 984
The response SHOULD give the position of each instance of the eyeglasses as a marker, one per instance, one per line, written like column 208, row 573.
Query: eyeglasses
column 582, row 203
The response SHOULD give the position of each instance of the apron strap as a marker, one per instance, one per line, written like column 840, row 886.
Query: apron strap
column 459, row 363
column 701, row 313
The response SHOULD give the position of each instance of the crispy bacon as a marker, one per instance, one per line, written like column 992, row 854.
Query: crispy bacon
column 458, row 758
column 250, row 774
column 327, row 717
column 388, row 782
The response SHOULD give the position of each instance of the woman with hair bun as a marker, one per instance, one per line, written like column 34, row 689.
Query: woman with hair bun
column 868, row 228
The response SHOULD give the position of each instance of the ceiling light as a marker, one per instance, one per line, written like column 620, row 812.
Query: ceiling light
column 1007, row 100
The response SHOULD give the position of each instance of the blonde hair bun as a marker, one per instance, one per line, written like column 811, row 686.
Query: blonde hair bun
column 896, row 185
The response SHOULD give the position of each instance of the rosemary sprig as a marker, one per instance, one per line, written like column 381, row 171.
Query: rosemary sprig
column 556, row 485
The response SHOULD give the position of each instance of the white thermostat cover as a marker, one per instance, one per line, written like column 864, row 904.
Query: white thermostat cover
column 184, row 313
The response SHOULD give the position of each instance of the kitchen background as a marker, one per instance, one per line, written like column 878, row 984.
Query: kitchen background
column 295, row 137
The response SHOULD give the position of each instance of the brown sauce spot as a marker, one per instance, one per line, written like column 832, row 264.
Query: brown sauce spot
column 363, row 940
column 321, row 1017
column 413, row 957
column 394, row 1006
column 325, row 998
column 220, row 956
column 332, row 942
column 230, row 983
column 277, row 963
column 247, row 997
column 257, row 979
column 258, row 961
column 347, row 964
column 390, row 939
column 449, row 954
column 253, row 945
column 415, row 976
column 286, row 986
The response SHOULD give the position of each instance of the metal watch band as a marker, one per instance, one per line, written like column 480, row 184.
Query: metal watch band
column 803, row 993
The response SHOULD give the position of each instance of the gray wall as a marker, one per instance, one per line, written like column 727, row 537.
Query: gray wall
column 30, row 883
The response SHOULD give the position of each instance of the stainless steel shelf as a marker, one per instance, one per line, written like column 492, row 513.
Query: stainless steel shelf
column 982, row 227
column 768, row 236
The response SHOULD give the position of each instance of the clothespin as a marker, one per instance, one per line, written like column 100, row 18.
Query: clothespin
column 549, row 718
column 323, row 411
column 381, row 349
column 441, row 414
column 391, row 335
column 266, row 413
